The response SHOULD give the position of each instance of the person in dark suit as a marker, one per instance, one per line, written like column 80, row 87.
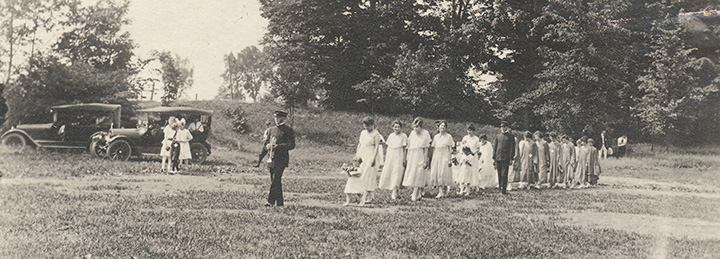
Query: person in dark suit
column 281, row 139
column 503, row 154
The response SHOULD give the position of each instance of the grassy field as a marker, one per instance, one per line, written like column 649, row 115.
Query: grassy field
column 70, row 205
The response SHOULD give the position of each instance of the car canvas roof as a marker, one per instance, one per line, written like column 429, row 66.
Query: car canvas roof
column 88, row 106
column 177, row 109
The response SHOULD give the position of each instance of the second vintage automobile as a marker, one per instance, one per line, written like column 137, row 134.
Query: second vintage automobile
column 147, row 137
column 71, row 127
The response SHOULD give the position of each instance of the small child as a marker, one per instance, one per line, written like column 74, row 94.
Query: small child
column 264, row 150
column 175, row 150
column 465, row 169
column 354, row 184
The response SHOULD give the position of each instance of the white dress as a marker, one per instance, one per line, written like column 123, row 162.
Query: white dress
column 440, row 171
column 488, row 175
column 369, row 150
column 168, row 133
column 465, row 171
column 392, row 173
column 473, row 142
column 184, row 136
column 415, row 173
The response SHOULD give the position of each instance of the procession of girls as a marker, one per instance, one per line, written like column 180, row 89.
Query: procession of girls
column 420, row 161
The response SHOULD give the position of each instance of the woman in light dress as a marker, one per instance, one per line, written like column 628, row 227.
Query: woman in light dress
column 370, row 158
column 392, row 173
column 528, row 152
column 555, row 174
column 416, row 172
column 184, row 137
column 440, row 165
column 488, row 175
column 580, row 177
column 567, row 160
column 471, row 141
column 168, row 134
column 593, row 161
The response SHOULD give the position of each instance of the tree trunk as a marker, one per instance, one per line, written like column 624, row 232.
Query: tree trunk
column 11, row 43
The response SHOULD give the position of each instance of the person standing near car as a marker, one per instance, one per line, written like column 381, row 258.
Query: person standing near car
column 184, row 137
column 168, row 134
column 280, row 141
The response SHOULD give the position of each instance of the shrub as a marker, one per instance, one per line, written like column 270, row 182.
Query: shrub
column 239, row 121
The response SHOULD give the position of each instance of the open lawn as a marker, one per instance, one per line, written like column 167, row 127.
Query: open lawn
column 660, row 204
column 65, row 205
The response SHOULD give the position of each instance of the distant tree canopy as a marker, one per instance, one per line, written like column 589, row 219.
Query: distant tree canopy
column 177, row 76
column 641, row 68
column 245, row 73
column 90, row 62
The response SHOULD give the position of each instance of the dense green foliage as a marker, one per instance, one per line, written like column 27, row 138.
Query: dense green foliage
column 640, row 68
column 90, row 62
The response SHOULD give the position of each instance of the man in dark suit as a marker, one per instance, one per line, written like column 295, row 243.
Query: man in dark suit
column 503, row 154
column 281, row 139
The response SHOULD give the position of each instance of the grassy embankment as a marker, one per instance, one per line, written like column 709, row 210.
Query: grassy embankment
column 55, row 204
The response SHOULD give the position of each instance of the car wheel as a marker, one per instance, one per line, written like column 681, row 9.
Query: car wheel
column 119, row 150
column 199, row 153
column 14, row 141
column 97, row 149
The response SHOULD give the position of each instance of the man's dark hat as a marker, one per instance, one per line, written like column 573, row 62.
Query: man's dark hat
column 504, row 124
column 280, row 114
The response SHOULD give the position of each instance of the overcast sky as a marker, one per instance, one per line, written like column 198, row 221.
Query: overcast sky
column 202, row 31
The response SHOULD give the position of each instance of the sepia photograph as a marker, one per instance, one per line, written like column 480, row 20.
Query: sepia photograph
column 359, row 129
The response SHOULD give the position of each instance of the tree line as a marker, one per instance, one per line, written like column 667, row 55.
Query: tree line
column 92, row 59
column 648, row 69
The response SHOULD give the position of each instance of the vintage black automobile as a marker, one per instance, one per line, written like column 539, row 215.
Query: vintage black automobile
column 146, row 139
column 72, row 127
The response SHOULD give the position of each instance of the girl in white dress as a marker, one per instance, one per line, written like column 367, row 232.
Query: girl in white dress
column 473, row 142
column 184, row 137
column 370, row 158
column 392, row 173
column 488, row 176
column 416, row 172
column 168, row 134
column 440, row 170
column 466, row 167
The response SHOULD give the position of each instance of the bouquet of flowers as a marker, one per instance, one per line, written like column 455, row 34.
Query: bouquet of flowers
column 350, row 170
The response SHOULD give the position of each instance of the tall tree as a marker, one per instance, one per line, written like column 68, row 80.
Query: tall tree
column 176, row 76
column 676, row 86
column 91, row 62
column 96, row 37
column 245, row 71
column 347, row 42
column 21, row 22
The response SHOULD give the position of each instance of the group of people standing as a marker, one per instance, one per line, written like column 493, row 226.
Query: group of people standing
column 176, row 143
column 420, row 161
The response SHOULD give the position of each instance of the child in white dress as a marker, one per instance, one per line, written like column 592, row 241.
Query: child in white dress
column 370, row 157
column 392, row 173
column 466, row 168
column 416, row 172
column 440, row 167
